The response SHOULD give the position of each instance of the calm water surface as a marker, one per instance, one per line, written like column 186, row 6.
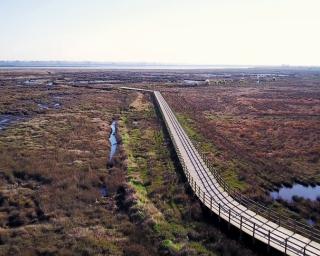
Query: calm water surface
column 113, row 139
column 113, row 149
column 6, row 120
column 306, row 192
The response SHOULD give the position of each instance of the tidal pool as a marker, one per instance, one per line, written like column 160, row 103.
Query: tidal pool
column 287, row 193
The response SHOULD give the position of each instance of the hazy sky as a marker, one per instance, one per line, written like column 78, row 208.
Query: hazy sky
column 174, row 31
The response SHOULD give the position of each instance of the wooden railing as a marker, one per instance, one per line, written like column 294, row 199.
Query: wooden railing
column 281, row 219
column 278, row 231
column 285, row 239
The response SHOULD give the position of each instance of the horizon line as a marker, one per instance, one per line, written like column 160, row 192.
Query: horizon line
column 143, row 63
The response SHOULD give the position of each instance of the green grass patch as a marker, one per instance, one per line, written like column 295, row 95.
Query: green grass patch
column 171, row 245
column 231, row 177
column 200, row 249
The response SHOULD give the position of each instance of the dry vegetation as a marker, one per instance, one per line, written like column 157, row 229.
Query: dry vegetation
column 53, row 163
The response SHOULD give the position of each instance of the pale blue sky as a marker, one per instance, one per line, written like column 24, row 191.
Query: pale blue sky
column 175, row 31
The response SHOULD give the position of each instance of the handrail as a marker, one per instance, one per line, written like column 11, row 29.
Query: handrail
column 297, row 225
column 271, row 233
column 284, row 220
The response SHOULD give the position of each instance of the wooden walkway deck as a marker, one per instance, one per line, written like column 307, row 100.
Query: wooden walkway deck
column 210, row 191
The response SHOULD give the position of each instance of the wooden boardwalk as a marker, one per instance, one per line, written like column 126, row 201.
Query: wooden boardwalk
column 207, row 186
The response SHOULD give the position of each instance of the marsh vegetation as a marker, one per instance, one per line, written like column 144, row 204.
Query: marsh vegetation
column 65, row 191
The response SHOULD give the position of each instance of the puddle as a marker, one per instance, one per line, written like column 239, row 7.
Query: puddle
column 56, row 105
column 311, row 222
column 6, row 120
column 33, row 82
column 104, row 191
column 113, row 139
column 192, row 82
column 53, row 105
column 43, row 106
column 288, row 193
column 28, row 82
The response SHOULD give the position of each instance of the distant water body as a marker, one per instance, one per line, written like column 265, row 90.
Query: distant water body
column 155, row 67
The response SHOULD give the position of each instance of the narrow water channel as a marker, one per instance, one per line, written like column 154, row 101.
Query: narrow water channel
column 113, row 149
column 113, row 139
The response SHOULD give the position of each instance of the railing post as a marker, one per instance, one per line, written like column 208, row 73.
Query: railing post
column 311, row 233
column 268, row 240
column 210, row 202
column 204, row 197
column 229, row 218
column 240, row 236
column 254, row 230
column 285, row 245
